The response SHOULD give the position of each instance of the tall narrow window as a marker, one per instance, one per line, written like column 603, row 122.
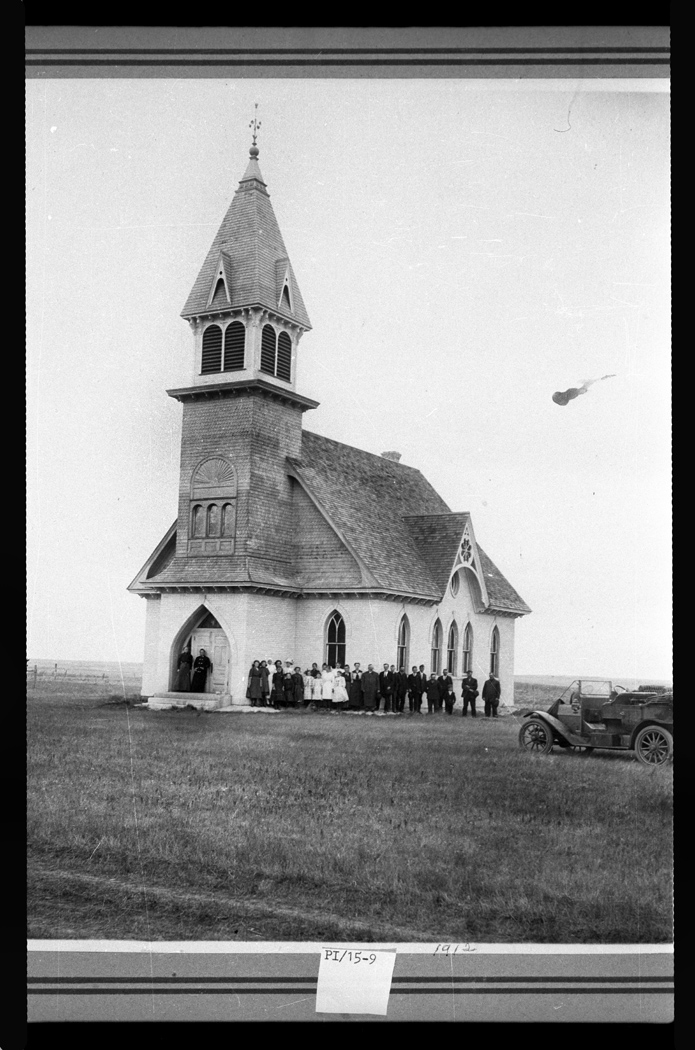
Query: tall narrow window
column 213, row 528
column 495, row 652
column 234, row 340
column 228, row 520
column 286, row 298
column 467, row 649
column 268, row 347
column 198, row 522
column 284, row 370
column 335, row 640
column 436, row 663
column 212, row 349
column 451, row 647
column 403, row 644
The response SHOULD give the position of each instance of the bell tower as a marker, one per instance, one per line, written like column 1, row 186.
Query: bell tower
column 242, row 416
column 245, row 309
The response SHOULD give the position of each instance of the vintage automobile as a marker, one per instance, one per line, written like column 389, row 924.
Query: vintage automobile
column 592, row 713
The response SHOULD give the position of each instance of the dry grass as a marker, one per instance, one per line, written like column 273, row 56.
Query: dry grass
column 182, row 825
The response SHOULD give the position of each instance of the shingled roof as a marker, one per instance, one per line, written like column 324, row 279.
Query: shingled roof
column 256, row 259
column 437, row 537
column 366, row 497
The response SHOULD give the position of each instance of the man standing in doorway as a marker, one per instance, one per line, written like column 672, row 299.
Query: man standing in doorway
column 491, row 696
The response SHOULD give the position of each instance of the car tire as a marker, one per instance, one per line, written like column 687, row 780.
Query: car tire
column 653, row 746
column 536, row 736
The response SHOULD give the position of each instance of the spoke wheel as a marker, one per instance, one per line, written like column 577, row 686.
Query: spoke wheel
column 653, row 746
column 536, row 736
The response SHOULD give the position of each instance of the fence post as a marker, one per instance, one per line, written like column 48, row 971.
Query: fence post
column 36, row 671
column 55, row 670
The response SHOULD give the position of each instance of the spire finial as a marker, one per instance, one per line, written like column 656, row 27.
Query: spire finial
column 255, row 124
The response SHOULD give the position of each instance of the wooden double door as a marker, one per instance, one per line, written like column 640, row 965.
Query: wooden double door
column 214, row 642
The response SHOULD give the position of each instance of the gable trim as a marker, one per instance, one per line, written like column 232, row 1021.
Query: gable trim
column 140, row 582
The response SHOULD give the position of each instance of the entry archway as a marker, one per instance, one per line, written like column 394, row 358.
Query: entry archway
column 202, row 630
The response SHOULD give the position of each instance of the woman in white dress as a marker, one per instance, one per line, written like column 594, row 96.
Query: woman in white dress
column 327, row 677
column 308, row 688
column 340, row 694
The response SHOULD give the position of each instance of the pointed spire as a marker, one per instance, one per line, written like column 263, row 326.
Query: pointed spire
column 252, row 169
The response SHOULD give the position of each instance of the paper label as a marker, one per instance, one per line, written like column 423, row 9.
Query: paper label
column 354, row 981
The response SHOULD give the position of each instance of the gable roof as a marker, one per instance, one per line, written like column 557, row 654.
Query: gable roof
column 501, row 594
column 366, row 497
column 437, row 537
column 252, row 245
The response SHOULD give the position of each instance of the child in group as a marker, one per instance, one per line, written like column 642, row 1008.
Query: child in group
column 449, row 700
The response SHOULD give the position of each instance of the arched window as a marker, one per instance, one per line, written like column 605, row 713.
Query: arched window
column 495, row 652
column 212, row 349
column 403, row 644
column 213, row 507
column 467, row 649
column 228, row 520
column 234, row 341
column 436, row 663
column 198, row 521
column 335, row 640
column 213, row 527
column 284, row 370
column 451, row 648
column 268, row 347
column 455, row 583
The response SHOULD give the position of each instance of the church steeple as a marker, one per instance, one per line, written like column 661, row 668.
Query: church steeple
column 245, row 307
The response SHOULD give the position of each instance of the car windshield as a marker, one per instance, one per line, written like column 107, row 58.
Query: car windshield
column 599, row 688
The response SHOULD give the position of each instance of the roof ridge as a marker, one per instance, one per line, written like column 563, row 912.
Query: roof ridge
column 439, row 514
column 362, row 451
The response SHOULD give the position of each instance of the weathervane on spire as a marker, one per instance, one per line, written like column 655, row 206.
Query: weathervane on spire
column 255, row 124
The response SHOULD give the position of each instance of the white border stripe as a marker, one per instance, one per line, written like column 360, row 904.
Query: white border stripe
column 310, row 947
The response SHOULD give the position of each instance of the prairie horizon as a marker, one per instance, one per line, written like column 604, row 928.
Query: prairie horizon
column 132, row 669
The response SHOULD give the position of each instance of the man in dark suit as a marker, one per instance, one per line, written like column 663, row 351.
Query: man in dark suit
column 445, row 682
column 491, row 696
column 386, row 686
column 400, row 688
column 469, row 692
column 415, row 691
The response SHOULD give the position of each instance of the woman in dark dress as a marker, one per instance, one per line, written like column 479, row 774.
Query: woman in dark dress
column 254, row 690
column 277, row 696
column 265, row 683
column 183, row 671
column 201, row 665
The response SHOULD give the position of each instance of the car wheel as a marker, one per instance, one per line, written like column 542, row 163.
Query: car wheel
column 653, row 746
column 537, row 736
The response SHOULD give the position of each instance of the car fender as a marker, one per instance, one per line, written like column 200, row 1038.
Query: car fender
column 560, row 728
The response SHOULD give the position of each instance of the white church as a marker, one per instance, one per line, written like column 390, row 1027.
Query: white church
column 289, row 545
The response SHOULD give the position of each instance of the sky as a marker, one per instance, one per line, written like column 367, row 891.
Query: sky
column 464, row 249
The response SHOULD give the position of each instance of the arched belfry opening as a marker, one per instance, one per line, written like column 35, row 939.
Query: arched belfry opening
column 202, row 630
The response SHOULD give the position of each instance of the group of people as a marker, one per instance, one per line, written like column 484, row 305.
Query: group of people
column 338, row 688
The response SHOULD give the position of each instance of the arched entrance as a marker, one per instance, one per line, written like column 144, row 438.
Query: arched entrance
column 208, row 634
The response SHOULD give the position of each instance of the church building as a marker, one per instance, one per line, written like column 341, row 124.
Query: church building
column 289, row 545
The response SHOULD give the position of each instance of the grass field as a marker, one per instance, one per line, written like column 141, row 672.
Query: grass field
column 186, row 825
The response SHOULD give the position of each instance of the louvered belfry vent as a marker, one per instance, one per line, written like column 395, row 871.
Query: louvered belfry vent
column 286, row 298
column 284, row 357
column 212, row 349
column 268, row 350
column 234, row 340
